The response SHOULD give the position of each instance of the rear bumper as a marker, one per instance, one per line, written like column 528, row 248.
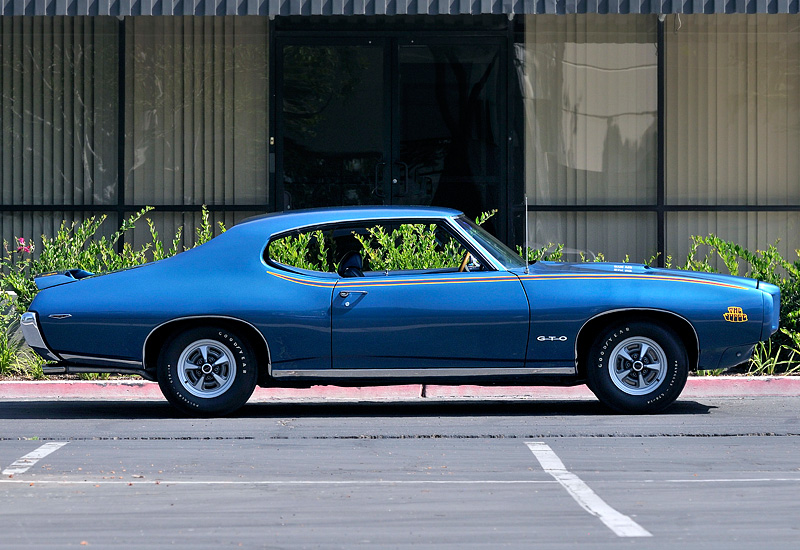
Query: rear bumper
column 33, row 336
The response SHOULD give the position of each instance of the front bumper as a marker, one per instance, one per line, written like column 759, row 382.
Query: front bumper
column 33, row 336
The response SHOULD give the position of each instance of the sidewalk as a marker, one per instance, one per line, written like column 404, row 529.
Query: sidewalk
column 699, row 387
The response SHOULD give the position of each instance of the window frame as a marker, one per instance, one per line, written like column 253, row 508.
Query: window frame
column 441, row 223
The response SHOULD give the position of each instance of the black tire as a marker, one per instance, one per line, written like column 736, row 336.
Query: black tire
column 623, row 378
column 225, row 374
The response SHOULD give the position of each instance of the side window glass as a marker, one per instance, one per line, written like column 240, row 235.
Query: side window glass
column 370, row 250
column 310, row 250
column 404, row 247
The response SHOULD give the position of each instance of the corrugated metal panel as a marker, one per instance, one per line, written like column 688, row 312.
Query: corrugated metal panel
column 387, row 7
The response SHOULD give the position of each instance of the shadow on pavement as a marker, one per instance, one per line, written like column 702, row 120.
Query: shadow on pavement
column 125, row 410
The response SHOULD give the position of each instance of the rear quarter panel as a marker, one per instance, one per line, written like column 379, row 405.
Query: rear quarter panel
column 112, row 315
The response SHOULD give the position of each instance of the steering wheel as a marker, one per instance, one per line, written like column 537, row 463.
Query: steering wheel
column 464, row 263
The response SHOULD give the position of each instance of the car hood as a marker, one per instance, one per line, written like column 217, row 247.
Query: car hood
column 638, row 269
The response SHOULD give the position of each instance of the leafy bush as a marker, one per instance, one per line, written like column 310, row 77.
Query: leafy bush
column 411, row 246
column 16, row 359
column 74, row 245
column 305, row 250
column 548, row 253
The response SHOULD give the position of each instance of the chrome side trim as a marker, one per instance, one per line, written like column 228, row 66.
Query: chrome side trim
column 448, row 221
column 191, row 317
column 99, row 360
column 347, row 221
column 33, row 335
column 76, row 369
column 418, row 373
column 634, row 309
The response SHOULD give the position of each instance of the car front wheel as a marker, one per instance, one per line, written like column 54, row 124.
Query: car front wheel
column 637, row 367
column 207, row 371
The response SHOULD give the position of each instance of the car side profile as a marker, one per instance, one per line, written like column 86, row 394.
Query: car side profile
column 393, row 295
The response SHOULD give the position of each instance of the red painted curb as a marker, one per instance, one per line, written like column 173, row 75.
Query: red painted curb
column 721, row 386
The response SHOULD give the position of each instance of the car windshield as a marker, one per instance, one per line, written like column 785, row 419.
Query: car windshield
column 495, row 247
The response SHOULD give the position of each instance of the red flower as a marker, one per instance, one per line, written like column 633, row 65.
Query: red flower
column 22, row 247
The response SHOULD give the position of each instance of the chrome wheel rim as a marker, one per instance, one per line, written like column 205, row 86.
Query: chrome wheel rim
column 206, row 368
column 637, row 365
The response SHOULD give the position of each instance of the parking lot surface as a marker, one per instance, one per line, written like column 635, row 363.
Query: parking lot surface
column 707, row 473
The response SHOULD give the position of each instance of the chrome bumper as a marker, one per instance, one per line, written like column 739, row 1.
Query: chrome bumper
column 33, row 336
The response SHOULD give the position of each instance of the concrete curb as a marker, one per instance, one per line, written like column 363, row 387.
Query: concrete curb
column 127, row 390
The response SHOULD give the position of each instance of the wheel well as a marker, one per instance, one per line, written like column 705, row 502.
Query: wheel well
column 156, row 340
column 590, row 331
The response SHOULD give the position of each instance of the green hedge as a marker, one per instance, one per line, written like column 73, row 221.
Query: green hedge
column 77, row 246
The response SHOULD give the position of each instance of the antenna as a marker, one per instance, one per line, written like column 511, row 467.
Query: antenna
column 526, row 234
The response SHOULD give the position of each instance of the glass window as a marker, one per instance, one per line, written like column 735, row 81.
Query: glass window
column 59, row 104
column 589, row 236
column 492, row 244
column 374, row 249
column 589, row 92
column 732, row 132
column 197, row 113
column 732, row 110
column 590, row 98
column 752, row 230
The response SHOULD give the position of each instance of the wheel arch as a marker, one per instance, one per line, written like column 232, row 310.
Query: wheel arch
column 592, row 328
column 160, row 334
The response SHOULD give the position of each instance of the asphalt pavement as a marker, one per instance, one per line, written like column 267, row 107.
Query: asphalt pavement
column 709, row 472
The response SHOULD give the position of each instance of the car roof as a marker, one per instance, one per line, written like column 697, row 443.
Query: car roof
column 279, row 221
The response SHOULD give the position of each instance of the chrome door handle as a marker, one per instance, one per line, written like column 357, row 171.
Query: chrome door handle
column 346, row 293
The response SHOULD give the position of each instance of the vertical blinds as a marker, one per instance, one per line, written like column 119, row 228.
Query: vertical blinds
column 733, row 128
column 58, row 121
column 197, row 117
column 590, row 95
column 59, row 110
column 589, row 88
column 733, row 110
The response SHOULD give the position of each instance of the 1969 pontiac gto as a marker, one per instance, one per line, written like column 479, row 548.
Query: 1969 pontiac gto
column 393, row 295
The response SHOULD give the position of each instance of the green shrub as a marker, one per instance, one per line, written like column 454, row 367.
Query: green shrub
column 16, row 359
column 304, row 250
column 74, row 245
column 411, row 246
column 548, row 253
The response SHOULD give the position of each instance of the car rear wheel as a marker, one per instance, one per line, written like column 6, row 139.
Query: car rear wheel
column 637, row 367
column 207, row 371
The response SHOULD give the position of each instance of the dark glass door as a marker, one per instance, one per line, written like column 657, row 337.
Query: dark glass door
column 335, row 129
column 392, row 120
column 449, row 141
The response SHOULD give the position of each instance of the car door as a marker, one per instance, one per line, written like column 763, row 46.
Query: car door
column 429, row 319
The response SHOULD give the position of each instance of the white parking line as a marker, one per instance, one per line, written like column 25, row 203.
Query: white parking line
column 22, row 464
column 622, row 525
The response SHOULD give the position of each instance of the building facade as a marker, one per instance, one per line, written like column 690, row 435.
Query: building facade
column 629, row 126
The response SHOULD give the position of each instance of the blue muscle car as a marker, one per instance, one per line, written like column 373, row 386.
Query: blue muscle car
column 393, row 295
